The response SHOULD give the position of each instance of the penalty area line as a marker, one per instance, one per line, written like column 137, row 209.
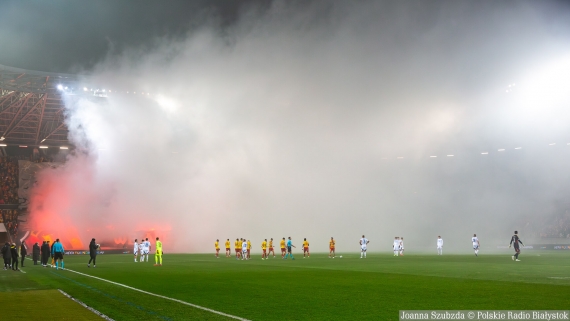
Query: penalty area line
column 163, row 297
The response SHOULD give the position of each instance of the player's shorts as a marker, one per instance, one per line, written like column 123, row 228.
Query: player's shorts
column 332, row 248
column 517, row 249
column 288, row 249
column 228, row 249
column 264, row 251
column 306, row 249
column 58, row 256
column 440, row 247
column 475, row 247
column 136, row 252
column 283, row 249
column 270, row 249
column 363, row 248
column 145, row 252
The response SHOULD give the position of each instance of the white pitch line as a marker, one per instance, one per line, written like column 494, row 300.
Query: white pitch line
column 86, row 306
column 162, row 296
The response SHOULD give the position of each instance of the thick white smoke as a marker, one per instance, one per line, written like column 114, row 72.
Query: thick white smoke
column 290, row 123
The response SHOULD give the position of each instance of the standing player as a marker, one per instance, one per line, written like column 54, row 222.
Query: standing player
column 228, row 248
column 475, row 241
column 439, row 245
column 332, row 248
column 306, row 248
column 515, row 239
column 136, row 249
column 217, row 246
column 271, row 248
column 401, row 246
column 57, row 252
column 282, row 244
column 158, row 255
column 289, row 251
column 248, row 249
column 396, row 246
column 148, row 247
column 363, row 242
column 244, row 250
column 141, row 250
column 237, row 247
column 264, row 249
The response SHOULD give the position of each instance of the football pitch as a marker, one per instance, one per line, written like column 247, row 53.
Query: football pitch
column 201, row 287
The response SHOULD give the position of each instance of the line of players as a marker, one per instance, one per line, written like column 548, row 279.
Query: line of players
column 243, row 247
column 143, row 249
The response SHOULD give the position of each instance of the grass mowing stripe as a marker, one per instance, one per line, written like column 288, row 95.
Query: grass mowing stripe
column 163, row 297
column 86, row 306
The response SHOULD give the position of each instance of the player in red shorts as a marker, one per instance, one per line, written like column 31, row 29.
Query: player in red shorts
column 228, row 249
column 271, row 248
column 237, row 248
column 282, row 244
column 306, row 248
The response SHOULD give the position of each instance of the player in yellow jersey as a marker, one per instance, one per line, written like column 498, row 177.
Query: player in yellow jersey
column 228, row 249
column 282, row 244
column 271, row 248
column 331, row 247
column 264, row 249
column 158, row 255
column 306, row 248
column 237, row 247
column 248, row 249
column 217, row 246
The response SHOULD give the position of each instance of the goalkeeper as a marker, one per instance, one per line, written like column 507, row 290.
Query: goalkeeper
column 158, row 255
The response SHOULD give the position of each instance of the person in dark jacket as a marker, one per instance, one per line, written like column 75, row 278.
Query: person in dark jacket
column 36, row 253
column 6, row 255
column 14, row 252
column 23, row 252
column 45, row 253
column 92, row 252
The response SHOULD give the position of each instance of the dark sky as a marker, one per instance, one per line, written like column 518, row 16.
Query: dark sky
column 68, row 36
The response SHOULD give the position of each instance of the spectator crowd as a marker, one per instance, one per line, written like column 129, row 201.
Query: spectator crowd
column 9, row 178
column 10, row 220
column 558, row 228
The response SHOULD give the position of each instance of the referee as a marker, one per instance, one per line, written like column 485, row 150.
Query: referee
column 515, row 239
column 57, row 252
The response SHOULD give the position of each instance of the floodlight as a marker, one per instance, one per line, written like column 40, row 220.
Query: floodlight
column 63, row 147
column 501, row 150
column 43, row 147
column 518, row 147
column 484, row 153
column 59, row 87
column 3, row 145
column 449, row 155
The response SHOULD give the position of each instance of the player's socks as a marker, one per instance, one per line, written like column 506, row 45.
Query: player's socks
column 62, row 265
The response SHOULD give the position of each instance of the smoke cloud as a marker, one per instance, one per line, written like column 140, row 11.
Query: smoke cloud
column 291, row 122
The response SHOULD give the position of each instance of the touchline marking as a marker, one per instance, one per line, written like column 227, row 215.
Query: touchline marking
column 162, row 296
column 86, row 306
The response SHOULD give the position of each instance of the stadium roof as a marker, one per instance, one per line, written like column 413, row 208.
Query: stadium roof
column 31, row 107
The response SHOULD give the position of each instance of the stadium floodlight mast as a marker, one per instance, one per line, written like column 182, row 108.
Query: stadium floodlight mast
column 59, row 87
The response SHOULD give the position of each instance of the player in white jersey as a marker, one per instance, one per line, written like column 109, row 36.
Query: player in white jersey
column 244, row 250
column 136, row 249
column 141, row 250
column 475, row 241
column 146, row 249
column 439, row 245
column 363, row 242
column 401, row 246
column 396, row 246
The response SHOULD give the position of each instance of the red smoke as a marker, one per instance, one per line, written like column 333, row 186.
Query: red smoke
column 71, row 204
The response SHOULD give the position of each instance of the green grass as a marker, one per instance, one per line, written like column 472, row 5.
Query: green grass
column 317, row 288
